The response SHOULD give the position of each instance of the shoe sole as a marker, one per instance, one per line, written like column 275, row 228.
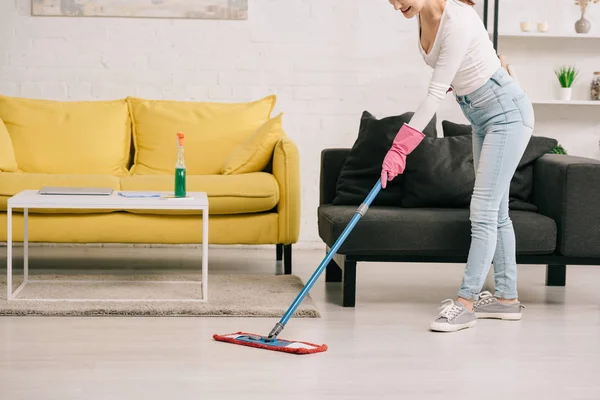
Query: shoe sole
column 442, row 327
column 507, row 316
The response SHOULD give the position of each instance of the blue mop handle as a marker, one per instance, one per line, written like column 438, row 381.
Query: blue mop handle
column 359, row 213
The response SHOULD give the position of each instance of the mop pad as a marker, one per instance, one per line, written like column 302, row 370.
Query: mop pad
column 271, row 342
column 287, row 346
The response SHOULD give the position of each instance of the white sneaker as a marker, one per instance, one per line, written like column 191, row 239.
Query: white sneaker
column 489, row 307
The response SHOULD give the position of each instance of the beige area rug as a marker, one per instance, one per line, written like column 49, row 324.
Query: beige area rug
column 228, row 295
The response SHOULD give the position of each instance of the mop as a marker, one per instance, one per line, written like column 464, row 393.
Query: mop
column 271, row 342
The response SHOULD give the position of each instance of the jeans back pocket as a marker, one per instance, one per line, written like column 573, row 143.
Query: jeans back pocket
column 525, row 108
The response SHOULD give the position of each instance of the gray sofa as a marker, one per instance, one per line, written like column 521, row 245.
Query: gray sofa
column 565, row 228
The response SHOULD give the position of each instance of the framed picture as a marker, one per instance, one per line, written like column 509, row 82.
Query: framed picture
column 190, row 9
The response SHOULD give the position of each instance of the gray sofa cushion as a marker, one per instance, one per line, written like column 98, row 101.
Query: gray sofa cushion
column 521, row 185
column 362, row 167
column 425, row 231
column 439, row 173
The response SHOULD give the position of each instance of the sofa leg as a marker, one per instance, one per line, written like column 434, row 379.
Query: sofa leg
column 349, row 284
column 333, row 272
column 287, row 259
column 556, row 275
column 279, row 251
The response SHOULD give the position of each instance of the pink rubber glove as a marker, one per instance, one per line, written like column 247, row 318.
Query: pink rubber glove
column 394, row 162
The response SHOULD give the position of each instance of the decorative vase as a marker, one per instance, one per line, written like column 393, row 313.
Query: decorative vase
column 583, row 25
column 565, row 93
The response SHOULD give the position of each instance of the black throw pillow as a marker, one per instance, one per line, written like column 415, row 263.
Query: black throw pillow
column 362, row 167
column 450, row 129
column 439, row 173
column 521, row 185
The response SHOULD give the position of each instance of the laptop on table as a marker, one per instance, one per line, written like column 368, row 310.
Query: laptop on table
column 75, row 191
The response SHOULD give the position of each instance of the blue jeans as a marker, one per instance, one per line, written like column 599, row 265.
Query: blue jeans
column 502, row 118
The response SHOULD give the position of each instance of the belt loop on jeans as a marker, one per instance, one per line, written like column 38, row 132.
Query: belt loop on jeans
column 459, row 99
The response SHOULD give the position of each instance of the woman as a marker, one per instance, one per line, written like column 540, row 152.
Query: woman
column 454, row 42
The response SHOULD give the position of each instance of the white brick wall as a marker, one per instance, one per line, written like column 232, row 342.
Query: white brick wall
column 327, row 61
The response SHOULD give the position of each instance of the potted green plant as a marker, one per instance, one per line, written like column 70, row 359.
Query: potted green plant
column 558, row 149
column 566, row 76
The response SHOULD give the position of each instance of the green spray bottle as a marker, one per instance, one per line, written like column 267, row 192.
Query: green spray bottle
column 180, row 186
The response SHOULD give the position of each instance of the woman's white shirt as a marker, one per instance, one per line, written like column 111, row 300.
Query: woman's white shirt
column 462, row 57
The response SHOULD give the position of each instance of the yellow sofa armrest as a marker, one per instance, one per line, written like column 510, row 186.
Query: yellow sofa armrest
column 286, row 169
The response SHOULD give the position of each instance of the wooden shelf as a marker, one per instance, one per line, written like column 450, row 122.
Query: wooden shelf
column 553, row 35
column 568, row 102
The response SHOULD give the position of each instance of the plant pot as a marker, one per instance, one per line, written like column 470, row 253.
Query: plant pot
column 565, row 93
column 583, row 25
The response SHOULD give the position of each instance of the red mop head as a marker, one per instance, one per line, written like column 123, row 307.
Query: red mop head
column 287, row 346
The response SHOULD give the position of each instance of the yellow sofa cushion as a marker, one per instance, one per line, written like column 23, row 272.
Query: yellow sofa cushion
column 12, row 183
column 227, row 194
column 211, row 131
column 8, row 163
column 255, row 153
column 88, row 137
column 121, row 227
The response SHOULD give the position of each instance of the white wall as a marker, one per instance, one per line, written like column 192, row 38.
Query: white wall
column 535, row 59
column 327, row 60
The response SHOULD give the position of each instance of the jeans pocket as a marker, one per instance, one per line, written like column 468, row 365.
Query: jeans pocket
column 485, row 100
column 525, row 109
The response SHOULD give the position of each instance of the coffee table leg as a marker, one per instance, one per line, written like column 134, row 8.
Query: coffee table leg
column 10, row 295
column 9, row 253
column 26, row 245
column 205, row 254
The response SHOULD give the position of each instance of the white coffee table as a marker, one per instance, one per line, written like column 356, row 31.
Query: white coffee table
column 30, row 199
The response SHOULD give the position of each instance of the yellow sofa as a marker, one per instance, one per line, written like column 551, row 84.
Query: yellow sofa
column 236, row 152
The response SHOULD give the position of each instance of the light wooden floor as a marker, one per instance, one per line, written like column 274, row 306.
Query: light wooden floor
column 379, row 350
